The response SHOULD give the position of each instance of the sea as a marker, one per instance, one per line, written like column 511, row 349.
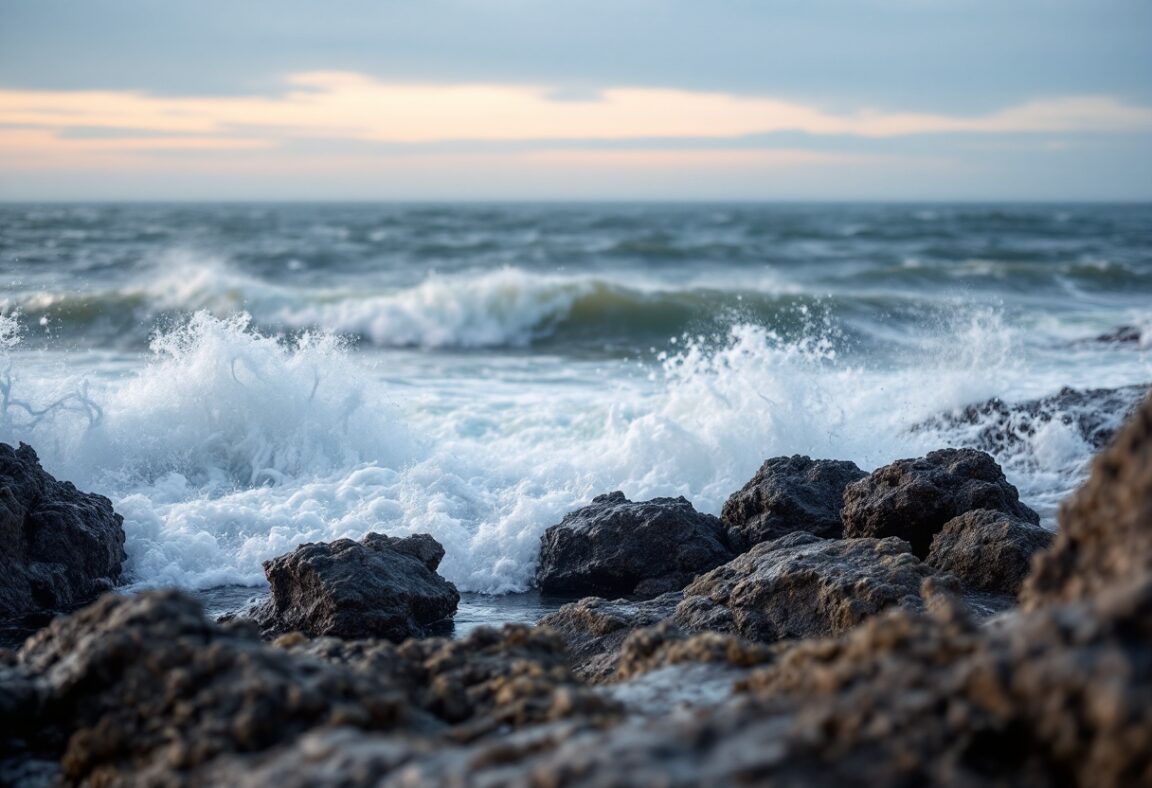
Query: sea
column 243, row 378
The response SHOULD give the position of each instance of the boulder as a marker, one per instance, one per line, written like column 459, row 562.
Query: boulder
column 913, row 499
column 62, row 547
column 789, row 494
column 988, row 551
column 1105, row 533
column 801, row 586
column 381, row 586
column 615, row 547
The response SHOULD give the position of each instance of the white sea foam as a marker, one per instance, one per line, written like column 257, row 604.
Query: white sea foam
column 230, row 447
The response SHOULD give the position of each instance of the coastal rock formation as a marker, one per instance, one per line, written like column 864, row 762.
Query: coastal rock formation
column 137, row 690
column 660, row 646
column 62, row 547
column 801, row 586
column 913, row 499
column 988, row 551
column 997, row 426
column 594, row 629
column 381, row 586
column 1105, row 534
column 617, row 547
column 789, row 494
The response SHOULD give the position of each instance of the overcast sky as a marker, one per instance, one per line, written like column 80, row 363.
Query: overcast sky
column 631, row 99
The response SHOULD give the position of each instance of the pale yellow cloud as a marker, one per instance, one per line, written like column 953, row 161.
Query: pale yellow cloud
column 333, row 105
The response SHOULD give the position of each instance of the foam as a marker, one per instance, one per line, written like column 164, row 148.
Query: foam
column 230, row 446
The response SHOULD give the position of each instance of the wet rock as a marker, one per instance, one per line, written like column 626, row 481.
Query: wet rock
column 652, row 648
column 144, row 690
column 381, row 586
column 913, row 499
column 988, row 551
column 1105, row 533
column 801, row 586
column 616, row 547
column 997, row 426
column 490, row 680
column 594, row 629
column 62, row 547
column 1122, row 335
column 789, row 494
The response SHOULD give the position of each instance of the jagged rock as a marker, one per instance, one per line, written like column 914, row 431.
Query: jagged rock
column 660, row 646
column 1105, row 533
column 1122, row 335
column 381, row 586
column 616, row 547
column 594, row 629
column 789, row 494
column 801, row 586
column 144, row 690
column 62, row 547
column 997, row 426
column 489, row 680
column 988, row 551
column 913, row 499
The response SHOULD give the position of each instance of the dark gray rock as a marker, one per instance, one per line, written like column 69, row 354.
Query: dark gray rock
column 801, row 586
column 988, row 551
column 997, row 426
column 789, row 494
column 381, row 586
column 62, row 547
column 615, row 547
column 913, row 499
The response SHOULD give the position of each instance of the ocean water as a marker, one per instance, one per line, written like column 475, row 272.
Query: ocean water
column 240, row 379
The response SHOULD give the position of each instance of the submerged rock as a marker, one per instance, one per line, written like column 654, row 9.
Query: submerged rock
column 997, row 426
column 801, row 586
column 988, row 551
column 381, row 586
column 615, row 547
column 62, row 547
column 913, row 499
column 1105, row 534
column 789, row 494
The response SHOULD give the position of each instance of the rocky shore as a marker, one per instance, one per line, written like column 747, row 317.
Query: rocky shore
column 909, row 626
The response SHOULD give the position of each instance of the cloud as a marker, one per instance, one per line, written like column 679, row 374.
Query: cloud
column 343, row 105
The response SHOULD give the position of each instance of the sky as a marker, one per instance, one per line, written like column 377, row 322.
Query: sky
column 590, row 100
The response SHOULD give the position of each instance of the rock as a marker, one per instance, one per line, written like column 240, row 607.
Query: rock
column 997, row 426
column 1122, row 335
column 594, row 629
column 913, row 499
column 381, row 586
column 143, row 689
column 615, row 547
column 490, row 680
column 1105, row 533
column 789, row 494
column 660, row 646
column 988, row 551
column 62, row 547
column 801, row 586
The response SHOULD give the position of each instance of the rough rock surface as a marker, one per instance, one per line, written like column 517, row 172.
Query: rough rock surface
column 1105, row 533
column 913, row 499
column 652, row 648
column 997, row 426
column 617, row 547
column 62, row 547
column 988, row 551
column 142, row 689
column 789, row 494
column 381, row 586
column 595, row 628
column 801, row 586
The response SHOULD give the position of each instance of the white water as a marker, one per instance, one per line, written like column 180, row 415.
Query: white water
column 226, row 447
